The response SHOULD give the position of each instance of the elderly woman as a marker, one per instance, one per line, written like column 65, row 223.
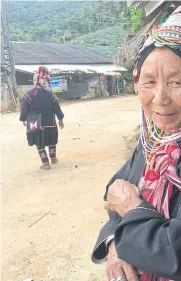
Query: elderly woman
column 142, row 239
column 38, row 110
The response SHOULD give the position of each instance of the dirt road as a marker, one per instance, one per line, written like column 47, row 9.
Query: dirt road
column 90, row 151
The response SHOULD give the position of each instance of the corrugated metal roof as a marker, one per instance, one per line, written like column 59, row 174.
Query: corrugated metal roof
column 105, row 50
column 41, row 53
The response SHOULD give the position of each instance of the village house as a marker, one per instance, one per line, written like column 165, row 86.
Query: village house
column 75, row 70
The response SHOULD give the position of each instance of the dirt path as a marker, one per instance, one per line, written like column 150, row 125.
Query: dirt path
column 90, row 151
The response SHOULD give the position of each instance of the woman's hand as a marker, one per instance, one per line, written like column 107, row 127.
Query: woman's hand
column 24, row 123
column 117, row 268
column 122, row 197
column 61, row 124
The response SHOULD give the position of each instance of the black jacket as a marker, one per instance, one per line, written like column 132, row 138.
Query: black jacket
column 143, row 237
column 44, row 102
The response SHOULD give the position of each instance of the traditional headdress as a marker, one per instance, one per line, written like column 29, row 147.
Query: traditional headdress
column 42, row 77
column 167, row 35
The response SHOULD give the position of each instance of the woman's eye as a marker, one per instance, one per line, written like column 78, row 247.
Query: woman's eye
column 174, row 83
column 151, row 82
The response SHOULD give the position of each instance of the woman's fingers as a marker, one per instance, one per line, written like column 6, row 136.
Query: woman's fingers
column 122, row 197
column 114, row 269
column 117, row 269
column 130, row 272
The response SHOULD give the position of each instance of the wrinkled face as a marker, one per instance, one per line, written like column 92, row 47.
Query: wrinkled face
column 160, row 88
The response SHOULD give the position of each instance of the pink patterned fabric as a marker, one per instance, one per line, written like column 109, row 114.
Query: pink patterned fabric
column 157, row 185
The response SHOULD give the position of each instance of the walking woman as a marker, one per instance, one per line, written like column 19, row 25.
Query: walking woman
column 142, row 239
column 38, row 110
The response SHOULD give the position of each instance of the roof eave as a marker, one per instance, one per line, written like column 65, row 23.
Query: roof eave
column 152, row 6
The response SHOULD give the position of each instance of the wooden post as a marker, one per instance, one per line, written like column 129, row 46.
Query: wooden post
column 7, row 43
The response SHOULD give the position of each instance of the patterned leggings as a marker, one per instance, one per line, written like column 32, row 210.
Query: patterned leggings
column 43, row 154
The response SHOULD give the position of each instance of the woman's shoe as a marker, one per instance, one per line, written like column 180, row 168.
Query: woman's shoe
column 54, row 160
column 45, row 167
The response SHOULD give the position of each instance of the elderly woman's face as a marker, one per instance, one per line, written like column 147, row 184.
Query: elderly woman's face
column 160, row 88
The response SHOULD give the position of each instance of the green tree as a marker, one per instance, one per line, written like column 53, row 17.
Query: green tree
column 136, row 15
column 38, row 34
column 60, row 21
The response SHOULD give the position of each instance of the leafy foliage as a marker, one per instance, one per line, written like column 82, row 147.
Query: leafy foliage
column 91, row 23
column 136, row 14
column 132, row 18
column 110, row 36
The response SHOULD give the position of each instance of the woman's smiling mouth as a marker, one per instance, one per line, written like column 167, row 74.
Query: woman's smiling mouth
column 164, row 116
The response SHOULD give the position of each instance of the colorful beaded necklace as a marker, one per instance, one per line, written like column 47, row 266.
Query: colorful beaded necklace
column 153, row 138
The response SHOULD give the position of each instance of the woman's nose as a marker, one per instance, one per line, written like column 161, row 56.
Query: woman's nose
column 161, row 95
